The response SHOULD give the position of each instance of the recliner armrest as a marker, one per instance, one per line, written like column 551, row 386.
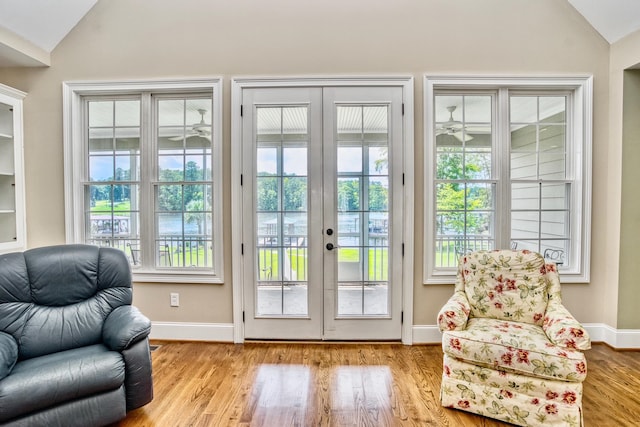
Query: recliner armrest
column 8, row 354
column 455, row 313
column 125, row 326
column 563, row 329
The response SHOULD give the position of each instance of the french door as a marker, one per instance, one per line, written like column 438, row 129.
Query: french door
column 322, row 212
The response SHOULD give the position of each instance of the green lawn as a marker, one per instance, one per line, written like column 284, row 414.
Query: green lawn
column 268, row 262
column 105, row 206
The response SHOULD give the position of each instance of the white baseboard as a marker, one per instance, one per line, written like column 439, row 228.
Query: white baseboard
column 221, row 332
column 599, row 332
column 426, row 334
column 422, row 334
column 616, row 338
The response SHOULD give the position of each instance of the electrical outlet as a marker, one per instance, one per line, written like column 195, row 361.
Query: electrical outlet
column 175, row 299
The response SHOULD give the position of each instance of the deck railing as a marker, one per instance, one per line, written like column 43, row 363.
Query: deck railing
column 172, row 251
column 449, row 248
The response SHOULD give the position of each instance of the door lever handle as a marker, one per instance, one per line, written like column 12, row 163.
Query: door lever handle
column 331, row 246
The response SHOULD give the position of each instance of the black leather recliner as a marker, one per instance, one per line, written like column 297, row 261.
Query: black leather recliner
column 73, row 350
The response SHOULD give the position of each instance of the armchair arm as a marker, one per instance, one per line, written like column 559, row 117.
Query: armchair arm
column 125, row 326
column 8, row 354
column 455, row 313
column 563, row 329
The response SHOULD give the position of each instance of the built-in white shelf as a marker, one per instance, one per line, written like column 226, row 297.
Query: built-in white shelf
column 12, row 206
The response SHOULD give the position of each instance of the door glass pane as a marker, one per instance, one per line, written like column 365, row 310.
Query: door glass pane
column 281, row 200
column 363, row 195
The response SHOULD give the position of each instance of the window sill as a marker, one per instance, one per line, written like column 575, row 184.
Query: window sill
column 449, row 278
column 155, row 276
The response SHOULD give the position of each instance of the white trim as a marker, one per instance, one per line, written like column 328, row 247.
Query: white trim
column 237, row 260
column 426, row 334
column 409, row 213
column 422, row 334
column 237, row 86
column 616, row 338
column 582, row 89
column 221, row 332
column 599, row 332
column 14, row 98
column 74, row 160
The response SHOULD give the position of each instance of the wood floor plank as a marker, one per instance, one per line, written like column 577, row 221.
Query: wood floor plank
column 342, row 384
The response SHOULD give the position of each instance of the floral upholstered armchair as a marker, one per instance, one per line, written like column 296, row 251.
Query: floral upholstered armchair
column 512, row 351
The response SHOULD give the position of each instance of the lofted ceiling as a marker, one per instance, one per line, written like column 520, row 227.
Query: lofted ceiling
column 31, row 29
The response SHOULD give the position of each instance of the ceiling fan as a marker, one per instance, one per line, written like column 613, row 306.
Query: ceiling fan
column 453, row 127
column 201, row 129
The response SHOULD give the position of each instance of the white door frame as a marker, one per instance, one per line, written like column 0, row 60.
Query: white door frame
column 237, row 86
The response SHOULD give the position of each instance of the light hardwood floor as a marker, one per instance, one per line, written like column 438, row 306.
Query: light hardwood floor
column 340, row 384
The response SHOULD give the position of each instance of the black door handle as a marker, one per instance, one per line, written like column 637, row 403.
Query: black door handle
column 330, row 246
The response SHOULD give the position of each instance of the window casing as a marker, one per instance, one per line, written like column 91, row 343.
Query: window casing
column 143, row 174
column 507, row 165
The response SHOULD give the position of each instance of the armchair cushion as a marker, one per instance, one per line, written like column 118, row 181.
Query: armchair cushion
column 505, row 285
column 8, row 354
column 514, row 347
column 49, row 380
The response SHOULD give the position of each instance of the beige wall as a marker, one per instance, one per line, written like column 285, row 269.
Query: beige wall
column 166, row 38
column 624, row 136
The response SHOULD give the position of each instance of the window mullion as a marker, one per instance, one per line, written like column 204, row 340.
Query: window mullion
column 502, row 169
column 147, row 174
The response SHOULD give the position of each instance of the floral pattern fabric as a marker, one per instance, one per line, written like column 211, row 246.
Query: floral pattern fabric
column 517, row 399
column 559, row 325
column 514, row 347
column 512, row 350
column 455, row 313
column 506, row 285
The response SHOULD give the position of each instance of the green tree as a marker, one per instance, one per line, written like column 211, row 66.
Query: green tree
column 348, row 195
column 455, row 200
column 267, row 194
column 378, row 197
column 195, row 213
column 295, row 193
column 192, row 173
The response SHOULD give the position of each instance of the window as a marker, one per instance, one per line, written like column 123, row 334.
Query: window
column 507, row 164
column 143, row 174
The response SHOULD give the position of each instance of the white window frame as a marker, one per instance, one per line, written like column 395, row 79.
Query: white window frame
column 75, row 169
column 580, row 144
